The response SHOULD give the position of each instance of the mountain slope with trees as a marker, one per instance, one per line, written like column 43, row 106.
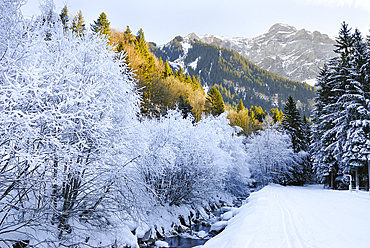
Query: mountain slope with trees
column 233, row 75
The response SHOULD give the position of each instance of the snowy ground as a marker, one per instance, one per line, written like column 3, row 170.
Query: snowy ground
column 278, row 216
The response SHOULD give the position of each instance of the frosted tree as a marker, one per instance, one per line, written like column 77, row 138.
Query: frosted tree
column 270, row 155
column 185, row 162
column 67, row 108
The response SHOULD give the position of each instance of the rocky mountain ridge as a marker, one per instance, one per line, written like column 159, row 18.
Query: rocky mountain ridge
column 284, row 50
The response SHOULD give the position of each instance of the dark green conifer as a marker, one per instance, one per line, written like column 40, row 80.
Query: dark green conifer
column 101, row 26
column 215, row 102
column 292, row 124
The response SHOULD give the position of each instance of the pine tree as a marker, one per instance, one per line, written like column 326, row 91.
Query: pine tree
column 240, row 106
column 128, row 36
column 306, row 134
column 78, row 24
column 354, row 133
column 101, row 26
column 340, row 133
column 215, row 102
column 167, row 70
column 194, row 83
column 324, row 162
column 64, row 18
column 292, row 124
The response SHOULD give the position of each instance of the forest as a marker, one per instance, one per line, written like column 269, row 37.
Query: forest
column 103, row 144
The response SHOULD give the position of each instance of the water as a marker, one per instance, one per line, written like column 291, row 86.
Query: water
column 180, row 242
column 187, row 242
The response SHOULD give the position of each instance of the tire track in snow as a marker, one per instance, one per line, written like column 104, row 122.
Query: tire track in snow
column 285, row 212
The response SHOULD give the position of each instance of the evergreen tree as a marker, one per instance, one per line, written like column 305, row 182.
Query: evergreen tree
column 101, row 26
column 78, row 24
column 322, row 150
column 194, row 83
column 128, row 36
column 64, row 18
column 292, row 124
column 167, row 70
column 215, row 102
column 240, row 106
column 341, row 130
column 306, row 134
column 354, row 132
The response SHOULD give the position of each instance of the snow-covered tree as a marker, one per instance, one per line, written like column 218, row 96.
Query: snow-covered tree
column 341, row 130
column 185, row 163
column 270, row 155
column 67, row 106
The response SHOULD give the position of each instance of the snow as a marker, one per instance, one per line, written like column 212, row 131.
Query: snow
column 218, row 225
column 159, row 243
column 202, row 234
column 311, row 81
column 278, row 216
column 227, row 215
column 194, row 64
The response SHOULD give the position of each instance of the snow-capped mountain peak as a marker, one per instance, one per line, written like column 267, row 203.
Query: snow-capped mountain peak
column 284, row 50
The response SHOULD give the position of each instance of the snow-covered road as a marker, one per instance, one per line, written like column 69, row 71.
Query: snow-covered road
column 290, row 217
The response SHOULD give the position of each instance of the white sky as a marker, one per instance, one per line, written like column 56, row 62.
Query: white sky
column 162, row 20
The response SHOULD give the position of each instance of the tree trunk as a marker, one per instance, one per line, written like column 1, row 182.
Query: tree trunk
column 357, row 179
column 332, row 179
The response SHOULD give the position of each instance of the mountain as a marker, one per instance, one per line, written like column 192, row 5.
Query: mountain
column 234, row 75
column 284, row 50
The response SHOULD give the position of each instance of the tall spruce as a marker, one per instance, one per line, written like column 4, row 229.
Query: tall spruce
column 341, row 134
column 354, row 132
column 215, row 102
column 101, row 25
column 292, row 124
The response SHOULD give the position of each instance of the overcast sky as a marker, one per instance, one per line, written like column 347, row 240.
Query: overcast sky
column 162, row 20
